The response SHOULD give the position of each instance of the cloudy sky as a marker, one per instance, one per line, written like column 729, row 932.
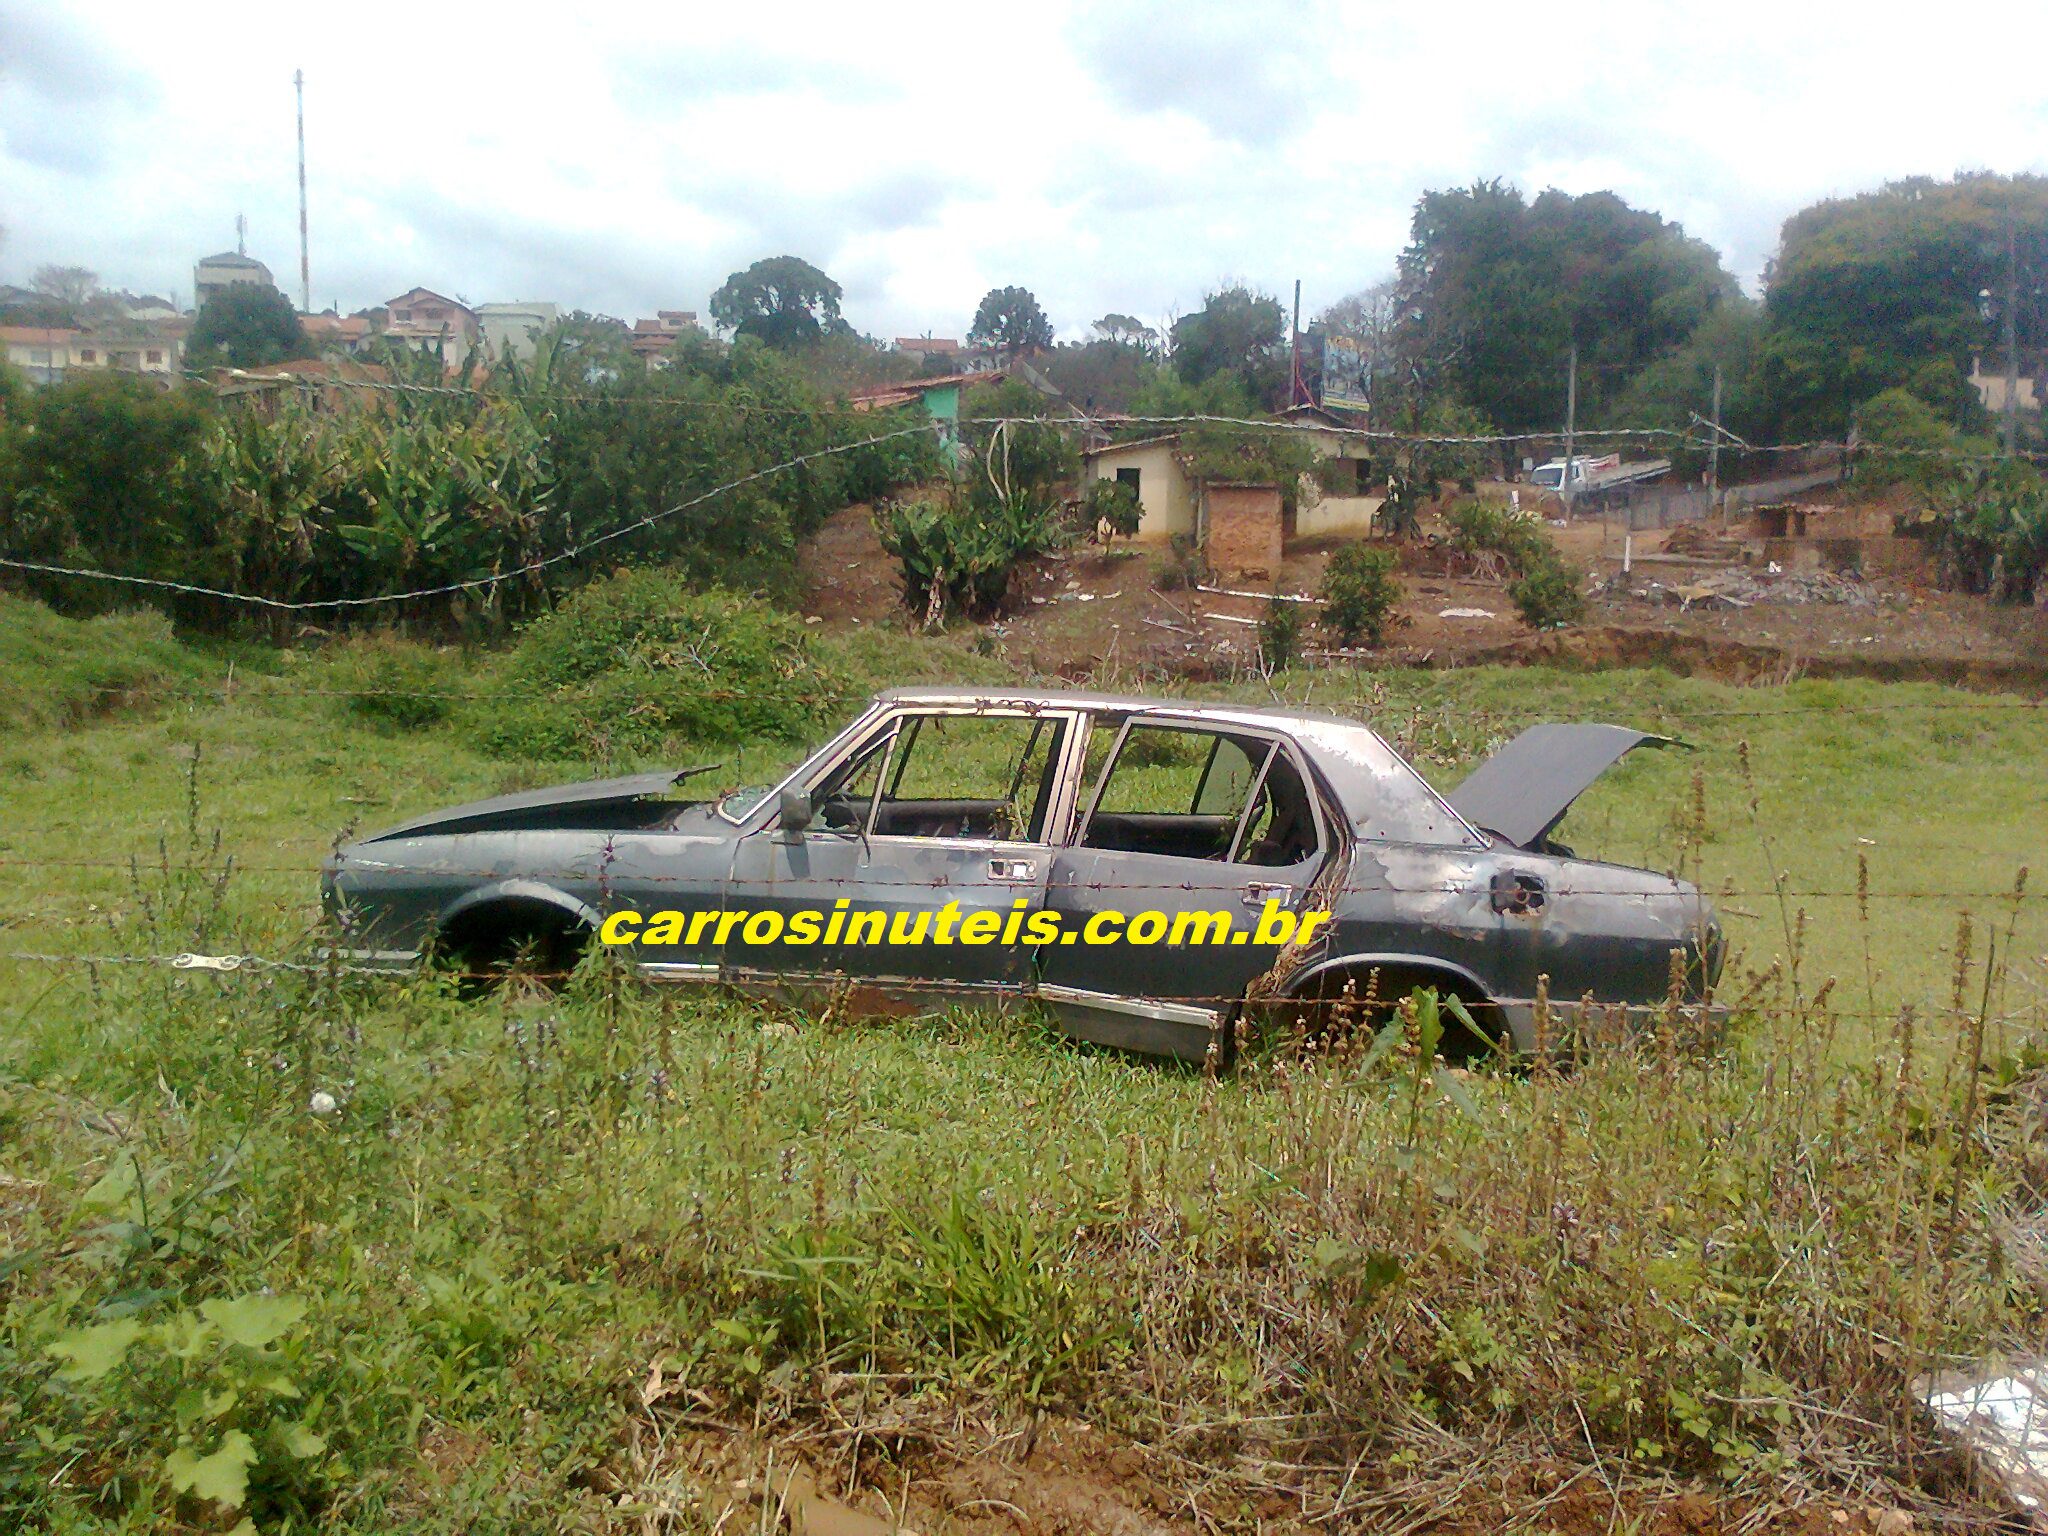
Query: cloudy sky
column 1110, row 156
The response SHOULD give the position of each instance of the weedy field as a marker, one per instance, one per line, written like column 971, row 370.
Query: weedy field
column 322, row 1253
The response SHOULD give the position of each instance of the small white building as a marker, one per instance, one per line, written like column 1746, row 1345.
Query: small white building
column 513, row 330
column 1990, row 382
column 52, row 354
column 217, row 274
column 1337, row 504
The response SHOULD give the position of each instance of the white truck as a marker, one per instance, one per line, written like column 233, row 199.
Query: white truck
column 1591, row 474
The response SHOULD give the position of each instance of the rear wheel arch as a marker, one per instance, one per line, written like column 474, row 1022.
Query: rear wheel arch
column 1382, row 982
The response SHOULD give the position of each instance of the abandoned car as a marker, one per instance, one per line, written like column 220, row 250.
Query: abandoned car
column 1122, row 818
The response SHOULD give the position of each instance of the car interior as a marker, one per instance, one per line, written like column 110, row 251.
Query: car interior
column 1196, row 794
column 982, row 777
column 1170, row 790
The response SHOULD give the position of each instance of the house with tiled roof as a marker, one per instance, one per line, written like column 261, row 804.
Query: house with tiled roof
column 426, row 321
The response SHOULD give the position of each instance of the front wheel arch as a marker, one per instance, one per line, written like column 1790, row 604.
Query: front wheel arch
column 492, row 935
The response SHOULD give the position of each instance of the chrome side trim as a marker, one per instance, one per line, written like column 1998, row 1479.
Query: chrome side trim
column 678, row 970
column 381, row 959
column 1143, row 1008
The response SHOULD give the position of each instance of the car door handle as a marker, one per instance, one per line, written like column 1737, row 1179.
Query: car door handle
column 1259, row 892
column 1012, row 871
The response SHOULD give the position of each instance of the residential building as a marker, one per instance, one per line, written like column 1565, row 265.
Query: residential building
column 150, row 352
column 426, row 321
column 217, row 274
column 148, row 307
column 43, row 352
column 929, row 351
column 1174, row 500
column 1155, row 469
column 1342, row 503
column 514, row 330
column 652, row 339
column 936, row 352
column 329, row 383
column 331, row 332
column 1990, row 382
column 51, row 354
column 938, row 396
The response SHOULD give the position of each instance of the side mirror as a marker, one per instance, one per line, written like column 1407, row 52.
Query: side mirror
column 793, row 811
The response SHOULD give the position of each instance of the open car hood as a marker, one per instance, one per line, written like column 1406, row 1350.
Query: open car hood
column 1523, row 790
column 532, row 807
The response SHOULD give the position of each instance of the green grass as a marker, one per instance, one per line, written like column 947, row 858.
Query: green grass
column 1327, row 1286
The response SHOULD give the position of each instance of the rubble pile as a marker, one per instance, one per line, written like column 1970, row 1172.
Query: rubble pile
column 1698, row 539
column 1743, row 587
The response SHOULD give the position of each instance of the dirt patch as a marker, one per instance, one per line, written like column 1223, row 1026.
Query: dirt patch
column 1062, row 1477
column 1601, row 646
column 1118, row 616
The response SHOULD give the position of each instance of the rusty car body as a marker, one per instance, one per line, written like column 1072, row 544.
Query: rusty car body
column 1074, row 802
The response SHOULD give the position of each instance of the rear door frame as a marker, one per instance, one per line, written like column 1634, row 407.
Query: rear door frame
column 1185, row 1027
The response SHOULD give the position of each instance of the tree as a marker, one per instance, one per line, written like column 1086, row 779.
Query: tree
column 247, row 325
column 1496, row 290
column 1238, row 332
column 1371, row 318
column 1098, row 375
column 69, row 286
column 782, row 300
column 107, row 478
column 1011, row 319
column 586, row 349
column 1867, row 292
column 1126, row 331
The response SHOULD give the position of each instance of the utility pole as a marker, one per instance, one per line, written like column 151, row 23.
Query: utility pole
column 1571, row 427
column 1294, row 351
column 305, row 255
column 1714, row 446
column 2012, row 334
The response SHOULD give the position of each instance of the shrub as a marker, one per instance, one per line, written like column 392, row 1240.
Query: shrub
column 394, row 683
column 1990, row 531
column 879, row 469
column 1543, row 585
column 1904, row 434
column 1360, row 593
column 1279, row 634
column 956, row 556
column 56, row 671
column 1182, row 566
column 640, row 665
column 101, row 472
column 1482, row 528
column 1113, row 507
column 1547, row 594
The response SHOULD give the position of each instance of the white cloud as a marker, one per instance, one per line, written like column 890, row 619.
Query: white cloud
column 1109, row 156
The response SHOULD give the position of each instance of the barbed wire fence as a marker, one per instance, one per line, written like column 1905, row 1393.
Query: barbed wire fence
column 1699, row 433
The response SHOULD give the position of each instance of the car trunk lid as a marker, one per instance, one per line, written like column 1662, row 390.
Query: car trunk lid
column 1523, row 790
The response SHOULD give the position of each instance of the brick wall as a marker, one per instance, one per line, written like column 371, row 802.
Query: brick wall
column 1244, row 533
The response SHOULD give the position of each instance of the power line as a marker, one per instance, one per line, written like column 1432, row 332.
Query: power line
column 475, row 583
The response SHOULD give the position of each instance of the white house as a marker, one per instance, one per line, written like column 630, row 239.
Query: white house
column 511, row 330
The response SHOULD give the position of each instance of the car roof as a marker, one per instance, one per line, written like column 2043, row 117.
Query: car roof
column 1361, row 769
column 1113, row 703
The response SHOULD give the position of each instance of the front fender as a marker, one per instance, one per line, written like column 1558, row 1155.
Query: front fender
column 522, row 891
